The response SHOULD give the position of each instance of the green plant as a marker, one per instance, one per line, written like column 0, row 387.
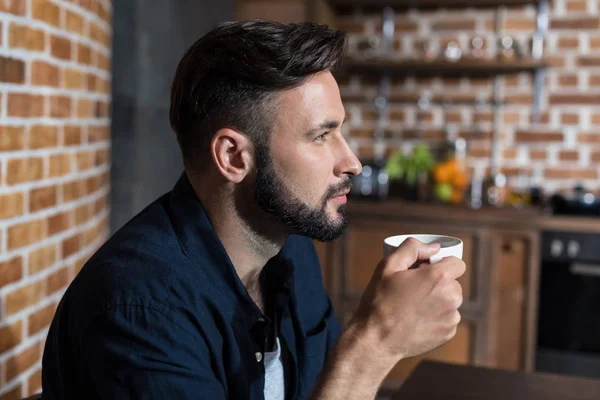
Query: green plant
column 408, row 167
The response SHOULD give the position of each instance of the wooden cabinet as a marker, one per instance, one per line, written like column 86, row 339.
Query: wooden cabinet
column 498, row 313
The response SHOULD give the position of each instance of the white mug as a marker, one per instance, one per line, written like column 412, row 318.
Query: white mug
column 450, row 246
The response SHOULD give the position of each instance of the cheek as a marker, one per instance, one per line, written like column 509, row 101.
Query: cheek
column 307, row 177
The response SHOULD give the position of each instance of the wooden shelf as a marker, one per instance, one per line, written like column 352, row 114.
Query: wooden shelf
column 429, row 3
column 471, row 67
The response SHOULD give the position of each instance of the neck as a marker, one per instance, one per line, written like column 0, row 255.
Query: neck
column 250, row 242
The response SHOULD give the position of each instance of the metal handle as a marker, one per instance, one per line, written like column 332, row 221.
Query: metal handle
column 585, row 269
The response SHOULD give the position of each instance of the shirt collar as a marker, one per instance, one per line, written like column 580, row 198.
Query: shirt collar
column 198, row 240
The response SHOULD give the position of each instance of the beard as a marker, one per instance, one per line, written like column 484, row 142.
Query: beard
column 275, row 198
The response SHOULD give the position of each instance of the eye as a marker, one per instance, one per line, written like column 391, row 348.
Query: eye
column 321, row 137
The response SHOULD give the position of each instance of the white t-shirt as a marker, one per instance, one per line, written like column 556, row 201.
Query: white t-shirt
column 274, row 381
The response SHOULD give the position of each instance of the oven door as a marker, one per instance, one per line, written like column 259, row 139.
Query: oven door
column 569, row 318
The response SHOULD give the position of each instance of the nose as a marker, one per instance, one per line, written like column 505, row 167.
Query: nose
column 347, row 162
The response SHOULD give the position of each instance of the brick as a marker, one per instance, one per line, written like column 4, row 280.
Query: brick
column 74, row 22
column 17, row 7
column 11, row 270
column 60, row 165
column 576, row 6
column 60, row 106
column 593, row 138
column 102, row 62
column 511, row 118
column 575, row 23
column 85, row 160
column 102, row 157
column 568, row 80
column 97, row 34
column 98, row 133
column 519, row 98
column 25, row 105
column 73, row 79
column 538, row 155
column 85, row 108
column 553, row 173
column 60, row 47
column 45, row 74
column 595, row 156
column 74, row 190
column 101, row 109
column 512, row 80
column 58, row 280
column 595, row 43
column 72, row 135
column 519, row 24
column 15, row 393
column 25, row 233
column 12, row 70
column 83, row 213
column 588, row 61
column 596, row 118
column 594, row 80
column 569, row 118
column 454, row 25
column 41, row 136
column 42, row 258
column 569, row 155
column 34, row 382
column 84, row 54
column 402, row 25
column 22, row 361
column 24, row 297
column 528, row 137
column 42, row 198
column 568, row 43
column 24, row 169
column 10, row 335
column 41, row 319
column 11, row 205
column 59, row 223
column 92, row 82
column 71, row 245
column 93, row 184
column 569, row 99
column 510, row 153
column 25, row 37
column 45, row 10
column 12, row 138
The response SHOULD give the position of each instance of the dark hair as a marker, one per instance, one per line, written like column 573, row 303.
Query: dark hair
column 228, row 78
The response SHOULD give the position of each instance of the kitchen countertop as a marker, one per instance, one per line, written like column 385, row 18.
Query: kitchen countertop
column 507, row 217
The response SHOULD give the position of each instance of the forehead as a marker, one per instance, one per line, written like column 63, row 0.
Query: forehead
column 304, row 107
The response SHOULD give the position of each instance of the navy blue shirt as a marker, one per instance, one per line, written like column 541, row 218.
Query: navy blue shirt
column 160, row 313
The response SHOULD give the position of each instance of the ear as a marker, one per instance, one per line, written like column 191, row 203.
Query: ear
column 232, row 154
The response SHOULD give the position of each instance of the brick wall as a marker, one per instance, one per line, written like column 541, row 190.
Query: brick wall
column 54, row 167
column 561, row 149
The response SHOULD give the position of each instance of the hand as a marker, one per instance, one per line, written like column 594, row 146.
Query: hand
column 406, row 312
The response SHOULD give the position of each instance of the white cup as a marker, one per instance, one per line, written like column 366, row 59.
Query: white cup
column 450, row 246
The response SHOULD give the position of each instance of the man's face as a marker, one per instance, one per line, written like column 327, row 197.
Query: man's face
column 304, row 173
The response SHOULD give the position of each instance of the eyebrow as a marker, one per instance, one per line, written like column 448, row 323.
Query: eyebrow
column 327, row 124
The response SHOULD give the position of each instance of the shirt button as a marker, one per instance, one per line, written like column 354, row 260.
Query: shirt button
column 261, row 319
column 258, row 356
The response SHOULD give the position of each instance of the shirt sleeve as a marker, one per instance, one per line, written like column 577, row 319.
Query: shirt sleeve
column 137, row 352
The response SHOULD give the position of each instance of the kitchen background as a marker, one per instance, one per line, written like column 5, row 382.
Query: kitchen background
column 85, row 144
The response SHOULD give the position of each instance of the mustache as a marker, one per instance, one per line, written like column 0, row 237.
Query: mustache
column 335, row 190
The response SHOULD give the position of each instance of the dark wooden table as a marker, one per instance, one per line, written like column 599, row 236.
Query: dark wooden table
column 437, row 381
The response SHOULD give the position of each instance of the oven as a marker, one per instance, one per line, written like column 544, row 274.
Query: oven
column 568, row 340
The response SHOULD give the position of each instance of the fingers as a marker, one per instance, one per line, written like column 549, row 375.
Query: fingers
column 409, row 252
column 451, row 267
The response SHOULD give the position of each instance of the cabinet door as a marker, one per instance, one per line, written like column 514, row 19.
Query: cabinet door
column 364, row 250
column 513, row 255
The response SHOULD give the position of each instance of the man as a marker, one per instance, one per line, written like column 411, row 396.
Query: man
column 214, row 291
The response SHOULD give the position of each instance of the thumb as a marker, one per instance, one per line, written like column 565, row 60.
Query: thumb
column 409, row 252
